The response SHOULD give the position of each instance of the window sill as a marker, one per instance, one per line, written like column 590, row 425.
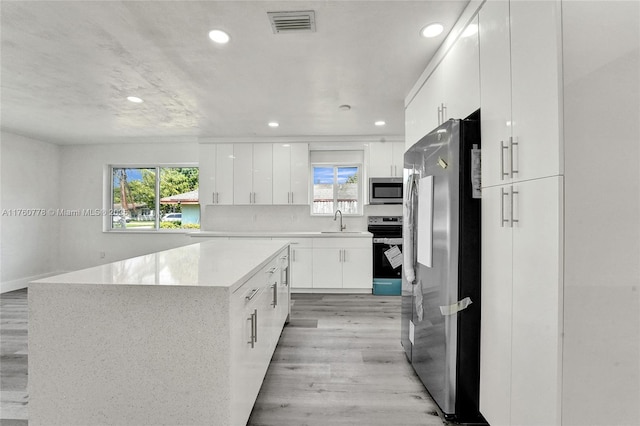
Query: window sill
column 150, row 232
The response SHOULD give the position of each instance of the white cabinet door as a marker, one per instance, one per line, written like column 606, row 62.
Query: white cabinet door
column 207, row 177
column 397, row 157
column 495, row 334
column 252, row 174
column 537, row 302
column 300, row 173
column 536, row 95
column 357, row 268
column 242, row 173
column 216, row 174
column 495, row 81
column 462, row 70
column 281, row 173
column 520, row 71
column 262, row 173
column 386, row 159
column 245, row 352
column 380, row 154
column 422, row 114
column 224, row 174
column 327, row 268
column 291, row 173
column 301, row 267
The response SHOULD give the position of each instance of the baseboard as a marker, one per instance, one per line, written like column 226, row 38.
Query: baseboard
column 333, row 290
column 7, row 286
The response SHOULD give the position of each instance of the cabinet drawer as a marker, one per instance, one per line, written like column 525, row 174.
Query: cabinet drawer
column 342, row 242
column 297, row 242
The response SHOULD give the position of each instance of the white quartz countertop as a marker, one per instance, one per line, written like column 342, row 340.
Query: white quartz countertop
column 283, row 234
column 224, row 263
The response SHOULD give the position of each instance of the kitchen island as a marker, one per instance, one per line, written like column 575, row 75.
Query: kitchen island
column 182, row 336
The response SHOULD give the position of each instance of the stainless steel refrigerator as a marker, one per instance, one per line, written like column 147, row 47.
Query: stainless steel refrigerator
column 441, row 271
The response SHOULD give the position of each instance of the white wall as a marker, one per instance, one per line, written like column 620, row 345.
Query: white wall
column 29, row 172
column 601, row 364
column 82, row 184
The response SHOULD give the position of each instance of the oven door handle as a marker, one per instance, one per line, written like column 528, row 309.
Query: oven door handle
column 389, row 241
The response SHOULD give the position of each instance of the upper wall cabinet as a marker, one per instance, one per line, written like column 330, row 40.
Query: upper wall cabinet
column 423, row 114
column 386, row 159
column 451, row 91
column 291, row 173
column 462, row 69
column 216, row 174
column 521, row 96
column 253, row 173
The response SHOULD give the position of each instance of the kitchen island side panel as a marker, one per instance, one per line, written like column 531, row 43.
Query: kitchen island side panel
column 128, row 355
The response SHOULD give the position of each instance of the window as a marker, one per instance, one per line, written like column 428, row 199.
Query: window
column 336, row 187
column 152, row 198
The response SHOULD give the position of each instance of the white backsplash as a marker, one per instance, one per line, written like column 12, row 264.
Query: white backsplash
column 285, row 218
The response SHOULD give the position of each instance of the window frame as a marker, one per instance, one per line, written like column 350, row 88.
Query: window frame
column 108, row 199
column 335, row 165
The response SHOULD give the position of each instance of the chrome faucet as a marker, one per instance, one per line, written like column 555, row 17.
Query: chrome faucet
column 335, row 216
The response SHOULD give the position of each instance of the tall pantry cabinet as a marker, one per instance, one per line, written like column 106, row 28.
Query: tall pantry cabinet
column 520, row 83
column 560, row 252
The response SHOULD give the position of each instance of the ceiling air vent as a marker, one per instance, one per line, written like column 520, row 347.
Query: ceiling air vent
column 286, row 22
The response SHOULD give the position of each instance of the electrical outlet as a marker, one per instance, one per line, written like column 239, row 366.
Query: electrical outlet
column 102, row 255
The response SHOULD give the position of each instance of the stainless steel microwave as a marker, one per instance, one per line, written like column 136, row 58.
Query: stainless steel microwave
column 387, row 190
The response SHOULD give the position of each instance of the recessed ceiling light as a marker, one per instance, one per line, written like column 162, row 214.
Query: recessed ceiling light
column 470, row 30
column 134, row 99
column 344, row 107
column 273, row 124
column 380, row 123
column 432, row 30
column 219, row 36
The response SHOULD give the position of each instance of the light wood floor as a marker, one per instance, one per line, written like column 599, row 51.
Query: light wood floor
column 339, row 362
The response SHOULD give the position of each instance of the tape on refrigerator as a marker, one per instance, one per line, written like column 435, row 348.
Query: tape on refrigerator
column 456, row 307
column 417, row 299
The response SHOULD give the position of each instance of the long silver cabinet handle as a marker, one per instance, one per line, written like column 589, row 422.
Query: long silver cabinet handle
column 252, row 294
column 275, row 294
column 502, row 172
column 254, row 328
column 511, row 145
column 255, row 320
column 503, row 194
column 293, row 255
column 513, row 220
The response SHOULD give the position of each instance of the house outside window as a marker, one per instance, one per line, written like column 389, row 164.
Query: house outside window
column 149, row 198
column 336, row 187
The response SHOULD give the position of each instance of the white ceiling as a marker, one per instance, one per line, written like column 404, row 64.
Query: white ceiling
column 68, row 66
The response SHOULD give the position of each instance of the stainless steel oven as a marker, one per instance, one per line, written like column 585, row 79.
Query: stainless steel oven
column 387, row 254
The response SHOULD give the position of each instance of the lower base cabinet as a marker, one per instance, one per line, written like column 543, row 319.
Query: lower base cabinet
column 342, row 263
column 331, row 263
column 261, row 308
column 521, row 332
